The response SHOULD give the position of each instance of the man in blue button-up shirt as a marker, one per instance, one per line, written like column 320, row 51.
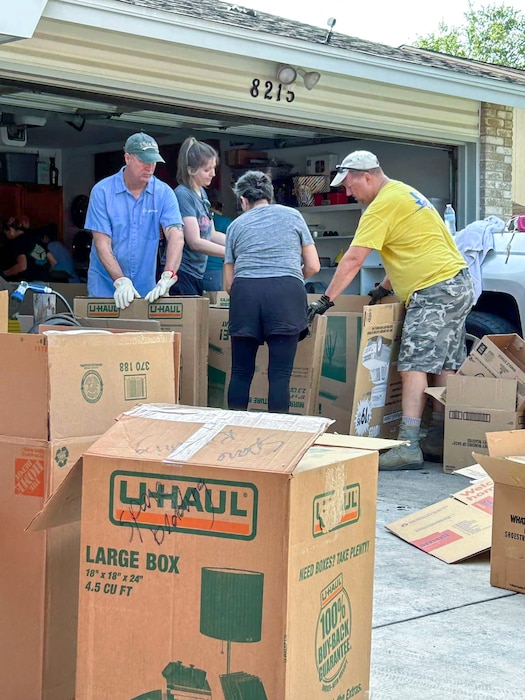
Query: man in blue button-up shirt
column 125, row 213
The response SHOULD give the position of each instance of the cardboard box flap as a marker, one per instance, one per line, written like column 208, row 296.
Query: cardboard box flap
column 505, row 443
column 179, row 434
column 64, row 506
column 437, row 392
column 504, row 470
column 480, row 392
column 357, row 442
column 512, row 345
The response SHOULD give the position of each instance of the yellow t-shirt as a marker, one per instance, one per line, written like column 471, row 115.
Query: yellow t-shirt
column 416, row 247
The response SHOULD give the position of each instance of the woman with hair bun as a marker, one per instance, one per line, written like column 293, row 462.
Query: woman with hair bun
column 269, row 254
column 195, row 170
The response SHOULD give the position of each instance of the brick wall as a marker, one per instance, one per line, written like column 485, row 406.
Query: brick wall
column 496, row 133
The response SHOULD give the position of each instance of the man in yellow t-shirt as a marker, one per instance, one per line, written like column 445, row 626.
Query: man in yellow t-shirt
column 426, row 271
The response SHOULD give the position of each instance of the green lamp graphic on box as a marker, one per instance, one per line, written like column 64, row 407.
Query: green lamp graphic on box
column 231, row 611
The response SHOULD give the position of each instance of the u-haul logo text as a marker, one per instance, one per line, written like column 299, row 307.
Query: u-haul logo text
column 98, row 309
column 171, row 309
column 335, row 509
column 182, row 504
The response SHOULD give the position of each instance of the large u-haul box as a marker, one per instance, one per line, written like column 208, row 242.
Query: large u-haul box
column 222, row 557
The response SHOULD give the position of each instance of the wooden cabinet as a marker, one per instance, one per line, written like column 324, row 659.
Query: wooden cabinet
column 43, row 204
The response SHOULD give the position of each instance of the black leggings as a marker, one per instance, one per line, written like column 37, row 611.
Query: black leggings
column 282, row 349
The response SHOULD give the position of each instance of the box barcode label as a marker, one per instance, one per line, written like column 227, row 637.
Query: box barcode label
column 469, row 415
column 135, row 387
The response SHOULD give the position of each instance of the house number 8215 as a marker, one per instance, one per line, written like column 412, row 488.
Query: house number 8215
column 271, row 91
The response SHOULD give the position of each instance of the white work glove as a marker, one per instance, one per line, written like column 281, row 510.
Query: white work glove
column 125, row 292
column 161, row 289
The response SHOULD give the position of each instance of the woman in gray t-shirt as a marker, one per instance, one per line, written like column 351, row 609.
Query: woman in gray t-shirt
column 269, row 254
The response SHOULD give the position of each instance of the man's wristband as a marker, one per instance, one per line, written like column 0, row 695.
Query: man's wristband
column 173, row 273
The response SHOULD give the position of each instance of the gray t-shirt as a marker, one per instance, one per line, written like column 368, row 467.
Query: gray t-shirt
column 267, row 241
column 190, row 204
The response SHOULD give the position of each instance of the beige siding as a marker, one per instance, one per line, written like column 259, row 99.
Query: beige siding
column 164, row 73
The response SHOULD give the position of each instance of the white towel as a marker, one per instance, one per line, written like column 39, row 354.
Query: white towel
column 474, row 242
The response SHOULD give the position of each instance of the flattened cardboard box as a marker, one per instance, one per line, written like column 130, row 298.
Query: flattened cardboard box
column 65, row 385
column 475, row 406
column 306, row 373
column 500, row 356
column 454, row 529
column 376, row 407
column 506, row 466
column 185, row 315
column 39, row 573
column 266, row 556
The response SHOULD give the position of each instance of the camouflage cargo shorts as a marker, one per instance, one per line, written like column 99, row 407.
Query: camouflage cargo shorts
column 433, row 336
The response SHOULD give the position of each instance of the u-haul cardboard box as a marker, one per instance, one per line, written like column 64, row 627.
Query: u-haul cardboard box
column 475, row 406
column 340, row 357
column 500, row 356
column 222, row 556
column 74, row 385
column 4, row 303
column 376, row 407
column 505, row 463
column 306, row 373
column 185, row 315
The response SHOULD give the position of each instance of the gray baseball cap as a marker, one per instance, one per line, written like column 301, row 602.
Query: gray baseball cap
column 144, row 147
column 358, row 160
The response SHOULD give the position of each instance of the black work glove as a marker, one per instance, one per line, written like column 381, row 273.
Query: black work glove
column 318, row 307
column 378, row 293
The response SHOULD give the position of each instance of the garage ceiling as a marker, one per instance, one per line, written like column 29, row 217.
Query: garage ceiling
column 75, row 121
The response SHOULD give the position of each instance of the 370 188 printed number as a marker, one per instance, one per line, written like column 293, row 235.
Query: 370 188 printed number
column 271, row 91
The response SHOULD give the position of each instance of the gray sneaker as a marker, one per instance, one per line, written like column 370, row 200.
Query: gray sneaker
column 401, row 457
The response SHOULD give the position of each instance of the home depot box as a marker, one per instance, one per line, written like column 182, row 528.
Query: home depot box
column 376, row 407
column 454, row 529
column 505, row 463
column 4, row 302
column 209, row 569
column 39, row 572
column 475, row 406
column 74, row 385
column 185, row 315
column 306, row 373
column 498, row 356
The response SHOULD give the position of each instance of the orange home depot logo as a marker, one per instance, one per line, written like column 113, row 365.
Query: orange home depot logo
column 335, row 509
column 29, row 474
column 170, row 503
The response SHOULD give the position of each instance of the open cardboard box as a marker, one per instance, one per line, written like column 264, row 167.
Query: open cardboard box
column 205, row 530
column 506, row 465
column 475, row 406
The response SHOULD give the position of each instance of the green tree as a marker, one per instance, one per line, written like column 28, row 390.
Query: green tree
column 493, row 34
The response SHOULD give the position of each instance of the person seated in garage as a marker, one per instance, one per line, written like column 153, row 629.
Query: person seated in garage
column 26, row 256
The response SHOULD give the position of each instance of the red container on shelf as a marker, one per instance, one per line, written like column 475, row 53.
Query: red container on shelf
column 337, row 198
column 319, row 198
